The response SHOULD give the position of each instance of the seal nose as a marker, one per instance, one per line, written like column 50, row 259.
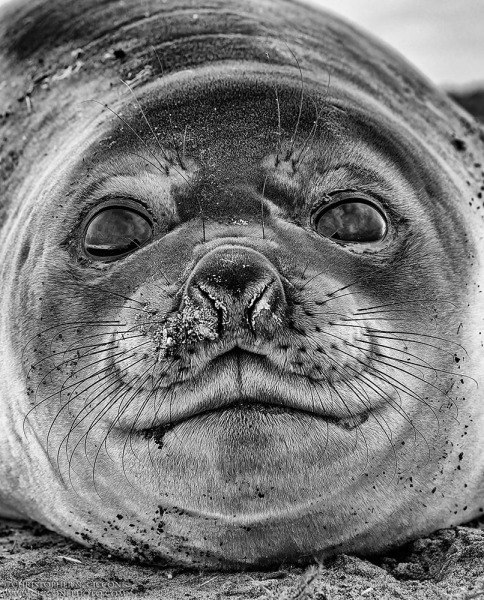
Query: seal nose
column 238, row 286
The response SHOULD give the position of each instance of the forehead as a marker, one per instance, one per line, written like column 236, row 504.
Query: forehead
column 62, row 53
column 232, row 128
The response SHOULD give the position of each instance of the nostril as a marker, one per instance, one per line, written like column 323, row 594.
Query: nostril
column 261, row 305
column 217, row 305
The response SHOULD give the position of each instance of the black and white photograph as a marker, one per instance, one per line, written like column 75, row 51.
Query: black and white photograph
column 242, row 299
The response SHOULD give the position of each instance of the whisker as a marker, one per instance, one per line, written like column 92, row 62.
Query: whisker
column 74, row 325
column 147, row 160
column 141, row 381
column 388, row 399
column 394, row 366
column 407, row 311
column 63, row 353
column 361, row 378
column 435, row 369
column 279, row 127
column 394, row 332
column 73, row 348
column 164, row 168
column 111, row 292
column 369, row 366
column 145, row 402
column 387, row 435
column 405, row 302
column 313, row 388
column 350, row 414
column 331, row 295
column 78, row 383
column 77, row 422
column 301, row 99
column 428, row 365
column 309, row 138
column 56, row 368
column 400, row 339
column 262, row 206
column 145, row 118
column 184, row 142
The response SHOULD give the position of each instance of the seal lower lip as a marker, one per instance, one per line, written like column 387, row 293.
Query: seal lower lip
column 349, row 423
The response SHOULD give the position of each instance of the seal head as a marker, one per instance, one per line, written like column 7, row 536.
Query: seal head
column 241, row 262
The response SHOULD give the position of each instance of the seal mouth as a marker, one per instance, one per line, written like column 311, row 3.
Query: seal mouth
column 273, row 408
column 284, row 395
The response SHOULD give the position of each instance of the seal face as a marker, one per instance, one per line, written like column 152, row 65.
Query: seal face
column 240, row 302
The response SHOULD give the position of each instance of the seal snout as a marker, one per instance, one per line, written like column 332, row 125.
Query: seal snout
column 239, row 286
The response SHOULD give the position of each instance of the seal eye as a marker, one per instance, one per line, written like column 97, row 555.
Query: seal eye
column 115, row 232
column 353, row 221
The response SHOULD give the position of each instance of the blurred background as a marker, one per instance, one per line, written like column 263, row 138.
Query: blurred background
column 443, row 38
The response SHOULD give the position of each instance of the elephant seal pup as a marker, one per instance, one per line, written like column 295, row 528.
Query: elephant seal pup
column 241, row 310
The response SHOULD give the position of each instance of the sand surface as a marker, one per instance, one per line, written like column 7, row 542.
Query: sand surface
column 37, row 564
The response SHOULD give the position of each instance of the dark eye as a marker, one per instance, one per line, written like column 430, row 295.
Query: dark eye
column 115, row 232
column 354, row 220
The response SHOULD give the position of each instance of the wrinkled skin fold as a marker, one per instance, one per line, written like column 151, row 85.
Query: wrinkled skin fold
column 225, row 381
